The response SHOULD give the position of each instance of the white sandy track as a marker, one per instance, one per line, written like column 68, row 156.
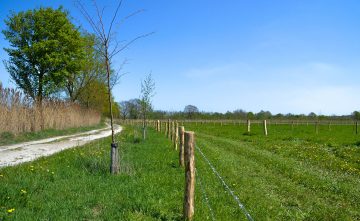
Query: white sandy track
column 28, row 151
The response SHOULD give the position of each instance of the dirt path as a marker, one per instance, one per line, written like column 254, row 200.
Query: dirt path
column 28, row 151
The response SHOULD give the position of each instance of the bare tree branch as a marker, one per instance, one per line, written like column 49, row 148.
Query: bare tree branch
column 129, row 43
column 87, row 16
column 113, row 19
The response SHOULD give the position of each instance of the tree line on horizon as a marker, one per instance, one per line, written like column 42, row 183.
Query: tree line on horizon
column 131, row 109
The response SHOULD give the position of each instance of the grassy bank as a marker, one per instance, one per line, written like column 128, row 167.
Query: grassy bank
column 7, row 138
column 76, row 185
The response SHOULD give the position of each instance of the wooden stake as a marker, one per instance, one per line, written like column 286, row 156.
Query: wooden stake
column 172, row 131
column 181, row 145
column 168, row 129
column 189, row 175
column 265, row 128
column 176, row 135
column 248, row 126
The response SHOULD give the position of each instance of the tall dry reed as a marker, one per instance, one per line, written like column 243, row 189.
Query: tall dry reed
column 19, row 114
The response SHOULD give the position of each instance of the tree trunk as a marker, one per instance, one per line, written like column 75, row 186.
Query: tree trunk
column 114, row 168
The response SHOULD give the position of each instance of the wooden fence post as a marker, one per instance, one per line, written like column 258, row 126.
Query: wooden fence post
column 317, row 127
column 172, row 131
column 265, row 128
column 189, row 175
column 181, row 145
column 168, row 129
column 176, row 136
column 248, row 126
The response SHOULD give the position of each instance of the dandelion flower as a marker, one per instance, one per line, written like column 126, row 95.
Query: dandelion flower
column 11, row 210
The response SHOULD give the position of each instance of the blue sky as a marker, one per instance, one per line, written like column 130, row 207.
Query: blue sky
column 282, row 56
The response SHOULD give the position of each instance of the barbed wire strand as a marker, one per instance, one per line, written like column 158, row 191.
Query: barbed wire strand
column 207, row 201
column 236, row 198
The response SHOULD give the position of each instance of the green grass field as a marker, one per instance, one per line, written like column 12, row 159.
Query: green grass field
column 292, row 174
column 289, row 175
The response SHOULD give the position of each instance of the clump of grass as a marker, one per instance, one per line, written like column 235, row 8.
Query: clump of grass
column 248, row 133
column 6, row 136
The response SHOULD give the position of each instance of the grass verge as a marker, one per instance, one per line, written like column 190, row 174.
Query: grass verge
column 7, row 138
column 76, row 185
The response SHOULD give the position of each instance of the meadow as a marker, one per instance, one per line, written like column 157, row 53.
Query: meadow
column 291, row 174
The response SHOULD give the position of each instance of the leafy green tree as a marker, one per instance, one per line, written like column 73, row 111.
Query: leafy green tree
column 92, row 69
column 45, row 47
column 94, row 95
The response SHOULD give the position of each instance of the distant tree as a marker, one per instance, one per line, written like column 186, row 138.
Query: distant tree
column 158, row 114
column 356, row 115
column 134, row 108
column 239, row 114
column 124, row 109
column 190, row 111
column 147, row 92
column 279, row 116
column 264, row 115
column 250, row 115
column 312, row 115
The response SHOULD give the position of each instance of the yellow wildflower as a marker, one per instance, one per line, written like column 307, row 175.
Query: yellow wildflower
column 23, row 191
column 11, row 210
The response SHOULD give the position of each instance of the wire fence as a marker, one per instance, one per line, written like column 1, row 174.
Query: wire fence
column 205, row 197
column 228, row 189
